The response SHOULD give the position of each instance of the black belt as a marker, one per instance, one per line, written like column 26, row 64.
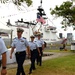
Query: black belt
column 40, row 47
column 33, row 49
column 20, row 52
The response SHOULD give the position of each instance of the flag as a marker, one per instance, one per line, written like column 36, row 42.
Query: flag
column 40, row 19
column 64, row 41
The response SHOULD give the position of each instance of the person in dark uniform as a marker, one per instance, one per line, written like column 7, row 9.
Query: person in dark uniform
column 3, row 58
column 21, row 44
column 40, row 43
column 34, row 50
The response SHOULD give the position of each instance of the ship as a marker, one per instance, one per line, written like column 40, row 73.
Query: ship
column 48, row 32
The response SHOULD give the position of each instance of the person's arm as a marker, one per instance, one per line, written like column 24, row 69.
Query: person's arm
column 28, row 48
column 28, row 51
column 12, row 50
column 4, row 71
column 4, row 59
column 37, row 46
column 43, row 47
column 42, row 42
column 39, row 51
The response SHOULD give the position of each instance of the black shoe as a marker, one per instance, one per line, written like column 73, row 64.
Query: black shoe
column 34, row 68
column 30, row 73
column 23, row 74
column 40, row 64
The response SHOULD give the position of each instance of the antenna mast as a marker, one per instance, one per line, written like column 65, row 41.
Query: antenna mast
column 41, row 3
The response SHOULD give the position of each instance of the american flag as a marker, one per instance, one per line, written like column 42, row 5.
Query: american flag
column 40, row 19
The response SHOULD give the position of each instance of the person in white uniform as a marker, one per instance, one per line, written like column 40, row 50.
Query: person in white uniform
column 21, row 44
column 34, row 49
column 40, row 43
column 3, row 56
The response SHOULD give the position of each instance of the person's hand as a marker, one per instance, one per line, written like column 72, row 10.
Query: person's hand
column 10, row 56
column 42, row 49
column 3, row 72
column 39, row 54
column 28, row 56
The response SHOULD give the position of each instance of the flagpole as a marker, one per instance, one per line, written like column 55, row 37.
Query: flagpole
column 40, row 16
column 41, row 2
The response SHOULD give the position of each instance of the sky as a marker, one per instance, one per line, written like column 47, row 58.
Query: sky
column 29, row 13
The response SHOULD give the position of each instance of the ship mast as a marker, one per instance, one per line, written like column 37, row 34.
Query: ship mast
column 41, row 2
column 41, row 13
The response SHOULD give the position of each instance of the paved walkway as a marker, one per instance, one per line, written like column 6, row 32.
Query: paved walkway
column 49, row 55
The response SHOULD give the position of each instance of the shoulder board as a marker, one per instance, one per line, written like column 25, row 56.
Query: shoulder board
column 24, row 38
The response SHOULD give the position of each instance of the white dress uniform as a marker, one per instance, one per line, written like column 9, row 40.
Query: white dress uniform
column 40, row 42
column 34, row 52
column 33, row 45
column 20, row 44
column 2, row 48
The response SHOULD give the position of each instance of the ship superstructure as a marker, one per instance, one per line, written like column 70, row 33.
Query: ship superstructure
column 47, row 31
column 42, row 26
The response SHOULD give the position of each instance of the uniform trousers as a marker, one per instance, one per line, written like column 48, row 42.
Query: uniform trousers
column 33, row 58
column 39, row 58
column 20, row 57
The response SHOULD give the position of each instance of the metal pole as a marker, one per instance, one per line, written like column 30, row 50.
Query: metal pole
column 11, row 37
column 41, row 2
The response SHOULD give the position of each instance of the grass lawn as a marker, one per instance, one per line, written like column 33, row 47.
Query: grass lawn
column 57, row 66
column 57, row 51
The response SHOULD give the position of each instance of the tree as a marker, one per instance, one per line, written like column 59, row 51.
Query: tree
column 67, row 11
column 18, row 2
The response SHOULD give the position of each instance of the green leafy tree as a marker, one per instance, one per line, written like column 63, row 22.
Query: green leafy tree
column 67, row 11
column 18, row 2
